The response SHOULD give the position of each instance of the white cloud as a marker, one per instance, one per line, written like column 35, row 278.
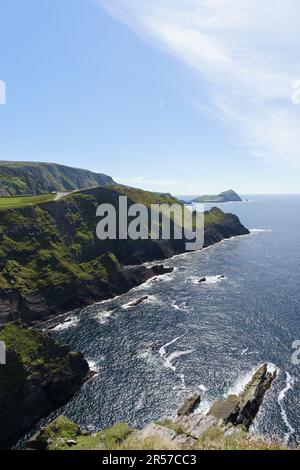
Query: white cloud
column 246, row 53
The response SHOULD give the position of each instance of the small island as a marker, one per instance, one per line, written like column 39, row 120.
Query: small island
column 226, row 196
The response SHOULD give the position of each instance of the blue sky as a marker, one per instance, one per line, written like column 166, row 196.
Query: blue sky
column 169, row 95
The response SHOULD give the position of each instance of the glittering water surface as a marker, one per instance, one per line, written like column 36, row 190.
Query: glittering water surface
column 208, row 336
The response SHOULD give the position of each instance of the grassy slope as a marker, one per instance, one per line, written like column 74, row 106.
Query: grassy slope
column 11, row 202
column 24, row 178
column 121, row 437
column 36, row 355
column 39, row 250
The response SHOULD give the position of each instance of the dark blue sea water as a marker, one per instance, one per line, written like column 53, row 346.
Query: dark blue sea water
column 191, row 336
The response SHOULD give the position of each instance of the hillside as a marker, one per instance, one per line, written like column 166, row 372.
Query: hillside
column 226, row 196
column 25, row 178
column 39, row 376
column 51, row 260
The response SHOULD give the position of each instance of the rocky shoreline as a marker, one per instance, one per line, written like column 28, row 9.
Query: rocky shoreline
column 54, row 300
column 230, row 417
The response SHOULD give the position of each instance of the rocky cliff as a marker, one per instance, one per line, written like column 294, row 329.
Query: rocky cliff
column 39, row 376
column 51, row 260
column 21, row 178
column 225, row 426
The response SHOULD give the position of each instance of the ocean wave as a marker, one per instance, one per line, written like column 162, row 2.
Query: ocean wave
column 209, row 279
column 94, row 367
column 103, row 317
column 66, row 324
column 182, row 307
column 259, row 230
column 289, row 384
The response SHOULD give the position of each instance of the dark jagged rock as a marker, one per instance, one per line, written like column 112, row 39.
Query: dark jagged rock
column 39, row 376
column 203, row 279
column 242, row 409
column 189, row 405
column 139, row 301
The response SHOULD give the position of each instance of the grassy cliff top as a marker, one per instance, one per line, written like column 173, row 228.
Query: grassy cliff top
column 49, row 243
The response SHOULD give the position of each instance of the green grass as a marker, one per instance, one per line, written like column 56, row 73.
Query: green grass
column 168, row 423
column 62, row 429
column 13, row 202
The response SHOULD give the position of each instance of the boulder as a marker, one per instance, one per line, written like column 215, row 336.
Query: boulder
column 189, row 405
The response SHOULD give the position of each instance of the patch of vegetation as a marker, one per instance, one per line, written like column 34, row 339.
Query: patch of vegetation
column 62, row 429
column 215, row 439
column 12, row 202
column 170, row 424
column 47, row 245
column 31, row 354
column 26, row 178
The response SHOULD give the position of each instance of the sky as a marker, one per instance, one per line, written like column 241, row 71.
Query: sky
column 182, row 96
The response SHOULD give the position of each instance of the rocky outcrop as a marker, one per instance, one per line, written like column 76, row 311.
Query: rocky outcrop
column 227, row 418
column 38, row 377
column 242, row 409
column 189, row 405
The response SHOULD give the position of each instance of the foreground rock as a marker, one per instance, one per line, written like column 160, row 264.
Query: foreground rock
column 39, row 376
column 228, row 418
column 189, row 405
column 242, row 409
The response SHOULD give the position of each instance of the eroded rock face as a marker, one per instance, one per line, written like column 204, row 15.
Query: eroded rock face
column 242, row 409
column 189, row 405
column 38, row 377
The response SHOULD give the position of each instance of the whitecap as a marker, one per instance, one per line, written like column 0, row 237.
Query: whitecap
column 104, row 316
column 66, row 324
column 182, row 307
column 290, row 382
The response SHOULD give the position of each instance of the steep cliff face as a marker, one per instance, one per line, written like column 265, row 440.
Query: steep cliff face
column 51, row 260
column 39, row 376
column 20, row 178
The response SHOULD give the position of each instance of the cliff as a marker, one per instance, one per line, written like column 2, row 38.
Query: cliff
column 189, row 431
column 51, row 260
column 225, row 196
column 23, row 178
column 39, row 376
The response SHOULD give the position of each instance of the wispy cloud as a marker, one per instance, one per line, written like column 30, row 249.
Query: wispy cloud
column 246, row 53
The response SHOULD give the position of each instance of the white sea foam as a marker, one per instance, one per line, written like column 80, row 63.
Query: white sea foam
column 290, row 382
column 259, row 230
column 182, row 307
column 66, row 324
column 103, row 317
column 209, row 279
column 168, row 363
column 162, row 350
column 93, row 366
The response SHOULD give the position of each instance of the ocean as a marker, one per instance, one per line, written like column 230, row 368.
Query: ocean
column 206, row 337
